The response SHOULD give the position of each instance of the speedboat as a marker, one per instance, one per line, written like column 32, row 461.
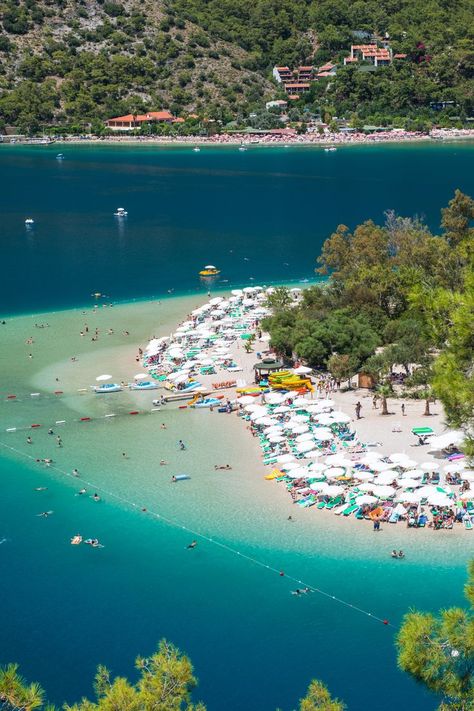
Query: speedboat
column 209, row 271
column 60, row 156
column 121, row 212
column 144, row 385
column 330, row 150
column 29, row 221
column 242, row 147
column 196, row 149
column 107, row 388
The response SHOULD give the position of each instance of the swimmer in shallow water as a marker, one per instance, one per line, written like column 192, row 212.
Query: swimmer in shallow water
column 193, row 544
column 96, row 497
column 45, row 514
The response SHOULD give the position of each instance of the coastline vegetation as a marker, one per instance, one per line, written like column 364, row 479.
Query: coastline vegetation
column 397, row 296
column 75, row 63
column 436, row 650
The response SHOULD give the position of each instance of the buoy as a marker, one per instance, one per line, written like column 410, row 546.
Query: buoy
column 36, row 425
column 11, row 397
column 385, row 622
column 57, row 392
column 133, row 412
column 281, row 573
column 85, row 419
column 182, row 407
column 34, row 394
column 111, row 415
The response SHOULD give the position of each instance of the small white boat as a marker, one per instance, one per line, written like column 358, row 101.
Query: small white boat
column 330, row 150
column 242, row 147
column 144, row 385
column 121, row 212
column 196, row 149
column 60, row 156
column 29, row 221
column 107, row 388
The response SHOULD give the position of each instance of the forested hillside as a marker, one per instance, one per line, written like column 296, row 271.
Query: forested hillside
column 80, row 61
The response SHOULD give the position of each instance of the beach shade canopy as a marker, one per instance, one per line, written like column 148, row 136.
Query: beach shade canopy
column 333, row 489
column 323, row 434
column 285, row 458
column 288, row 466
column 408, row 483
column 275, row 398
column 399, row 457
column 273, row 429
column 301, row 401
column 454, row 468
column 299, row 429
column 385, row 477
column 363, row 475
column 338, row 460
column 366, row 499
column 384, row 491
column 314, row 454
column 369, row 458
column 340, row 417
column 412, row 474
column 317, row 467
column 409, row 497
column 245, row 399
column 305, row 437
column 324, row 418
column 447, row 439
column 305, row 446
column 281, row 410
column 334, row 472
column 318, row 485
column 439, row 500
column 429, row 466
column 275, row 438
column 298, row 419
column 427, row 490
column 258, row 414
column 302, row 370
column 379, row 466
column 366, row 487
column 103, row 377
column 408, row 464
column 265, row 420
column 140, row 376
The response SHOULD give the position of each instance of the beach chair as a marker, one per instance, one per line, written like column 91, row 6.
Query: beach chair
column 394, row 517
column 350, row 509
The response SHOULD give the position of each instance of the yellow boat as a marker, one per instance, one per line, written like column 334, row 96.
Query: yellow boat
column 209, row 271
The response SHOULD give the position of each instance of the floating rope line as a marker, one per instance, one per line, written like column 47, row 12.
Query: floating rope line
column 209, row 539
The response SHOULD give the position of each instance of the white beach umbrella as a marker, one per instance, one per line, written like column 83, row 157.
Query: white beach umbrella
column 333, row 489
column 467, row 476
column 273, row 429
column 385, row 477
column 302, row 370
column 408, row 464
column 301, row 401
column 316, row 468
column 440, row 500
column 141, row 376
column 245, row 400
column 369, row 458
column 366, row 487
column 323, row 435
column 385, row 491
column 275, row 438
column 340, row 417
column 288, row 466
column 362, row 475
column 297, row 419
column 305, row 437
column 215, row 301
column 318, row 485
column 408, row 483
column 315, row 408
column 258, row 414
column 334, row 472
column 103, row 377
column 447, row 439
column 274, row 398
column 264, row 421
column 285, row 458
column 327, row 403
column 338, row 460
column 412, row 474
column 305, row 446
column 236, row 292
column 398, row 457
column 314, row 454
column 427, row 490
column 281, row 410
column 429, row 466
column 409, row 497
column 299, row 429
column 366, row 499
column 379, row 466
column 454, row 468
column 324, row 419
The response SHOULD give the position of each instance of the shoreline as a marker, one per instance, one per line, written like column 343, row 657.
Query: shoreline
column 266, row 140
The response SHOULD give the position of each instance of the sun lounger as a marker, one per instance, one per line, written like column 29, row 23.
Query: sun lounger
column 467, row 523
column 394, row 517
column 350, row 509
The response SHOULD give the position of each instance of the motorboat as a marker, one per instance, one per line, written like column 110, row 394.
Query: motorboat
column 121, row 212
column 242, row 148
column 209, row 271
column 107, row 388
column 330, row 150
column 196, row 149
column 29, row 221
column 60, row 156
column 144, row 385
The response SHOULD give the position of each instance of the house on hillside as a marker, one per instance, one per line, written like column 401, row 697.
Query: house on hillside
column 378, row 56
column 277, row 104
column 132, row 121
column 282, row 74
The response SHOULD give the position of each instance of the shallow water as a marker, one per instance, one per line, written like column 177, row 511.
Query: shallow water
column 254, row 645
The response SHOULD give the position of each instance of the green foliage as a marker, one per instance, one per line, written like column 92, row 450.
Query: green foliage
column 318, row 698
column 438, row 651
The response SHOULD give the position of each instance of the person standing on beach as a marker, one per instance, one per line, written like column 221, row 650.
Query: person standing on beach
column 403, row 409
column 358, row 408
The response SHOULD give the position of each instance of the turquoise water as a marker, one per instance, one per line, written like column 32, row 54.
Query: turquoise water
column 253, row 644
column 272, row 207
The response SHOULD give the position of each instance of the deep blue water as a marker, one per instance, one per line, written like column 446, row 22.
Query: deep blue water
column 272, row 207
column 62, row 608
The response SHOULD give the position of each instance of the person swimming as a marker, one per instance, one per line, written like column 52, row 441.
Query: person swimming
column 163, row 462
column 401, row 554
column 193, row 544
column 181, row 444
column 394, row 554
column 173, row 478
column 45, row 514
column 75, row 472
column 96, row 497
column 81, row 492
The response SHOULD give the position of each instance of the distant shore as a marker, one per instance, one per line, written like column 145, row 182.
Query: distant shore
column 284, row 139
